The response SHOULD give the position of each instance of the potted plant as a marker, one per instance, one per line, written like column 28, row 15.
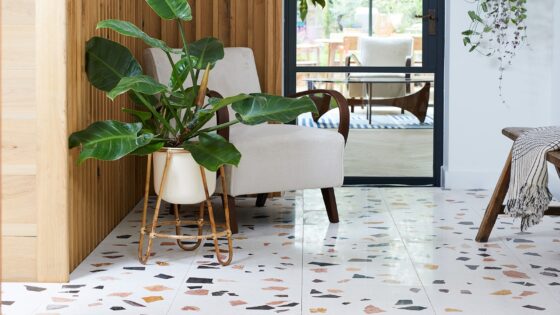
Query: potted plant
column 171, row 118
column 498, row 29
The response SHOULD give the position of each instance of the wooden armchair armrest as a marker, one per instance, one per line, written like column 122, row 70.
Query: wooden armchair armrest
column 222, row 116
column 323, row 104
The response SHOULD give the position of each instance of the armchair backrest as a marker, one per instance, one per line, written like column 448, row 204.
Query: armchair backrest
column 384, row 51
column 235, row 74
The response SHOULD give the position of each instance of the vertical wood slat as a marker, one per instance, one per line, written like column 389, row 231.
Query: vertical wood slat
column 256, row 24
column 101, row 193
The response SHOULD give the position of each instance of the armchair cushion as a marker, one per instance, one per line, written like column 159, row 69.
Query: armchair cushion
column 285, row 157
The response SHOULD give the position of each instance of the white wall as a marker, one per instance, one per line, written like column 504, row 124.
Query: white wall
column 555, row 105
column 475, row 114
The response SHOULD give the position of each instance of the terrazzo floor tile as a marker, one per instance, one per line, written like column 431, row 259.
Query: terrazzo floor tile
column 395, row 251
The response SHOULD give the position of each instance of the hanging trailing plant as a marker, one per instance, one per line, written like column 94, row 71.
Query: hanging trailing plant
column 304, row 6
column 498, row 29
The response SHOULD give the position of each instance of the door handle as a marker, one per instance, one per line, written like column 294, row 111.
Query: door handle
column 432, row 19
column 426, row 17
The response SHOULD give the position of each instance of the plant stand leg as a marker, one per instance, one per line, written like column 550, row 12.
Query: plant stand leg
column 200, row 224
column 213, row 222
column 232, row 213
column 145, row 207
column 152, row 235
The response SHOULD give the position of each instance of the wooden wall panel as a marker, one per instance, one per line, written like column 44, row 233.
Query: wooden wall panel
column 48, row 199
column 100, row 193
column 18, row 131
column 256, row 24
column 22, row 259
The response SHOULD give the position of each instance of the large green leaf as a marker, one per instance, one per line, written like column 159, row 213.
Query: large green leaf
column 149, row 148
column 171, row 9
column 262, row 108
column 184, row 100
column 213, row 151
column 218, row 103
column 201, row 117
column 129, row 29
column 141, row 115
column 109, row 140
column 206, row 51
column 180, row 73
column 108, row 62
column 142, row 84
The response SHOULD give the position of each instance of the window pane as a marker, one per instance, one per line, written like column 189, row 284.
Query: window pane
column 329, row 36
column 393, row 142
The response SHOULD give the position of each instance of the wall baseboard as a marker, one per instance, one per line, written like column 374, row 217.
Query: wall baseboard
column 469, row 179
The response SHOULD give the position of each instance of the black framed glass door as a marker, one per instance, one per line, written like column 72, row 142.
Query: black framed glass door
column 386, row 58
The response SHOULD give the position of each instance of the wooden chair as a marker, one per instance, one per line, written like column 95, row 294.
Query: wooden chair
column 496, row 204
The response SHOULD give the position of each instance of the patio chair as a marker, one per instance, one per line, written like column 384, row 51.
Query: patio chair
column 496, row 204
column 275, row 157
column 380, row 52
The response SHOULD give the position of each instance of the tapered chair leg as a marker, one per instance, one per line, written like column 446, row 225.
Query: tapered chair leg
column 330, row 203
column 261, row 200
column 495, row 205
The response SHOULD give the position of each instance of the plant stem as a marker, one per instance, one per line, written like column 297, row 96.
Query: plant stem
column 217, row 127
column 186, row 49
column 188, row 114
column 154, row 111
column 180, row 125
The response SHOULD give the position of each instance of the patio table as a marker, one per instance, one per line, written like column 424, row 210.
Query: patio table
column 416, row 103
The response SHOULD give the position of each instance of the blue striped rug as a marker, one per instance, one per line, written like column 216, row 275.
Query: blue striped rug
column 359, row 121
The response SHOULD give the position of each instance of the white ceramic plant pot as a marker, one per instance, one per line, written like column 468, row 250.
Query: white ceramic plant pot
column 183, row 184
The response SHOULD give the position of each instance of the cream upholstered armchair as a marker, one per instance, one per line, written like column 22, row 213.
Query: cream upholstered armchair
column 380, row 51
column 275, row 157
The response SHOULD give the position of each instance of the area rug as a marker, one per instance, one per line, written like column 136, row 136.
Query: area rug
column 360, row 121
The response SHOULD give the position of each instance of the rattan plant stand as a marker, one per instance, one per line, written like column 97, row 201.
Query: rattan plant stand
column 150, row 232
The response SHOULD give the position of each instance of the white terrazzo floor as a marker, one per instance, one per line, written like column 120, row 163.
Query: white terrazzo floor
column 395, row 251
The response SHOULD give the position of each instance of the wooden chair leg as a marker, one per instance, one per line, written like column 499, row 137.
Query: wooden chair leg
column 330, row 203
column 261, row 200
column 495, row 205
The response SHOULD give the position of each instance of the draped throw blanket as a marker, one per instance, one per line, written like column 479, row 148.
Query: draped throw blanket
column 528, row 196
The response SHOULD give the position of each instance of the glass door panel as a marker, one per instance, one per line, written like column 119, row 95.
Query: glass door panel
column 361, row 28
column 385, row 57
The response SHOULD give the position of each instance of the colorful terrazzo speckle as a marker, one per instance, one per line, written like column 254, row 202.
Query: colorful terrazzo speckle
column 395, row 251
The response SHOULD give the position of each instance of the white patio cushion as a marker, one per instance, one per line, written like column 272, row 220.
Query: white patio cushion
column 378, row 51
column 285, row 157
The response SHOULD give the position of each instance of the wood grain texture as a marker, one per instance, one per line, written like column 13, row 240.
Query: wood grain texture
column 52, row 148
column 100, row 194
column 256, row 24
column 19, row 143
column 23, row 259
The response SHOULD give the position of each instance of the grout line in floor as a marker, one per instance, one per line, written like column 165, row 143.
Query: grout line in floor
column 382, row 190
